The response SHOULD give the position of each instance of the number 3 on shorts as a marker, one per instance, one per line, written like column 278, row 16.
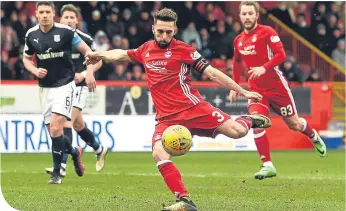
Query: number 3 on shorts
column 286, row 110
column 219, row 116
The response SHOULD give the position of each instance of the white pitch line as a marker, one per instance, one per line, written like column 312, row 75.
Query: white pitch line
column 220, row 175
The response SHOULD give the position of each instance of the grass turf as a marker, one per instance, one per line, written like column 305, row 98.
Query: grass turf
column 217, row 181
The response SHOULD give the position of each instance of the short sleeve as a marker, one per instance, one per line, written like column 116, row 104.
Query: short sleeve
column 76, row 40
column 28, row 50
column 195, row 59
column 136, row 54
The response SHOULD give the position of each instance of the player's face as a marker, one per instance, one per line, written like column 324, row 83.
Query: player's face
column 163, row 33
column 248, row 17
column 44, row 15
column 69, row 18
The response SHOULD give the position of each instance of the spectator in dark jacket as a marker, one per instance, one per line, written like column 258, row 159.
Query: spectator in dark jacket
column 314, row 76
column 292, row 72
column 115, row 26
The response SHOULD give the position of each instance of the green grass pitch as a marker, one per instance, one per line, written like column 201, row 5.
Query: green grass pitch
column 217, row 181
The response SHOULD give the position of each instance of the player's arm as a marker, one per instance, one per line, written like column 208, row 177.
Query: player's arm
column 277, row 47
column 29, row 64
column 116, row 55
column 237, row 66
column 237, row 71
column 222, row 79
column 82, row 47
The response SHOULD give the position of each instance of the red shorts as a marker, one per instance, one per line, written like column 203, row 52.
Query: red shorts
column 280, row 99
column 201, row 120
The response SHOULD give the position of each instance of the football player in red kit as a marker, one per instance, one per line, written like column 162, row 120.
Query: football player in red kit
column 168, row 64
column 262, row 51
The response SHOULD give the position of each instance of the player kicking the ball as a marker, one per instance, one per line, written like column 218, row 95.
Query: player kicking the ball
column 69, row 16
column 168, row 64
column 51, row 43
column 261, row 49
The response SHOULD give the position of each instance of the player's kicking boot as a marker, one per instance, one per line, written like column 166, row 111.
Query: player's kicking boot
column 77, row 161
column 258, row 120
column 54, row 179
column 182, row 204
column 100, row 159
column 319, row 145
column 62, row 171
column 267, row 171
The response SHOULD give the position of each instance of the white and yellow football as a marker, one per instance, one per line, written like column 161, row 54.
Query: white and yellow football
column 177, row 140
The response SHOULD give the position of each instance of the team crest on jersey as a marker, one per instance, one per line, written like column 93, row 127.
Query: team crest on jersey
column 168, row 54
column 254, row 38
column 57, row 38
column 195, row 55
column 240, row 44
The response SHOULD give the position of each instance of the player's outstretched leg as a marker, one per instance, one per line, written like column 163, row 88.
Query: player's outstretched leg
column 300, row 124
column 172, row 178
column 68, row 133
column 88, row 136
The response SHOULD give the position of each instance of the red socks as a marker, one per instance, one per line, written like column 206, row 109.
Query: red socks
column 307, row 129
column 172, row 178
column 262, row 144
column 245, row 122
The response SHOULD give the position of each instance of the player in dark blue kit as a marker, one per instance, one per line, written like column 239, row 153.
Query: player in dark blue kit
column 51, row 43
column 69, row 16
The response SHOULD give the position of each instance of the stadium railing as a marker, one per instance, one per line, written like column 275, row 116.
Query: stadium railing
column 304, row 51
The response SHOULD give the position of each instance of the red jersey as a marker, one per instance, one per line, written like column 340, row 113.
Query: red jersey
column 169, row 75
column 260, row 47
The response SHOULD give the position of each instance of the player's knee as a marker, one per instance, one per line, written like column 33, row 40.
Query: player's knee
column 160, row 154
column 78, row 125
column 294, row 125
column 56, row 130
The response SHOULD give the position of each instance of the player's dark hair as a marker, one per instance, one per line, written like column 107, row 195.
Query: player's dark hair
column 47, row 3
column 70, row 8
column 167, row 15
column 250, row 3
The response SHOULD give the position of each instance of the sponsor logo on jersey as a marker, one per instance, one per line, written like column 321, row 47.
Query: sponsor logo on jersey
column 275, row 39
column 57, row 38
column 159, row 66
column 248, row 50
column 168, row 54
column 75, row 55
column 36, row 40
column 240, row 44
column 195, row 55
column 50, row 55
column 147, row 55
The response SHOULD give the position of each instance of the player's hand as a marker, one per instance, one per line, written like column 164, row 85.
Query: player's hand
column 256, row 72
column 91, row 83
column 233, row 96
column 41, row 72
column 92, row 58
column 78, row 78
column 252, row 95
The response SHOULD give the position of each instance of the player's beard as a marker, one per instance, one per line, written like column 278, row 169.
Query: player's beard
column 251, row 27
column 162, row 44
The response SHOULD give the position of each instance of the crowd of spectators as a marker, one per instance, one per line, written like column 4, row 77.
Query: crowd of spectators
column 207, row 26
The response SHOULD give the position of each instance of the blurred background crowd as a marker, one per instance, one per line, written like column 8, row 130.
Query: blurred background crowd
column 210, row 27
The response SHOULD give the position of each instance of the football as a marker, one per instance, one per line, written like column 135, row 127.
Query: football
column 177, row 140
